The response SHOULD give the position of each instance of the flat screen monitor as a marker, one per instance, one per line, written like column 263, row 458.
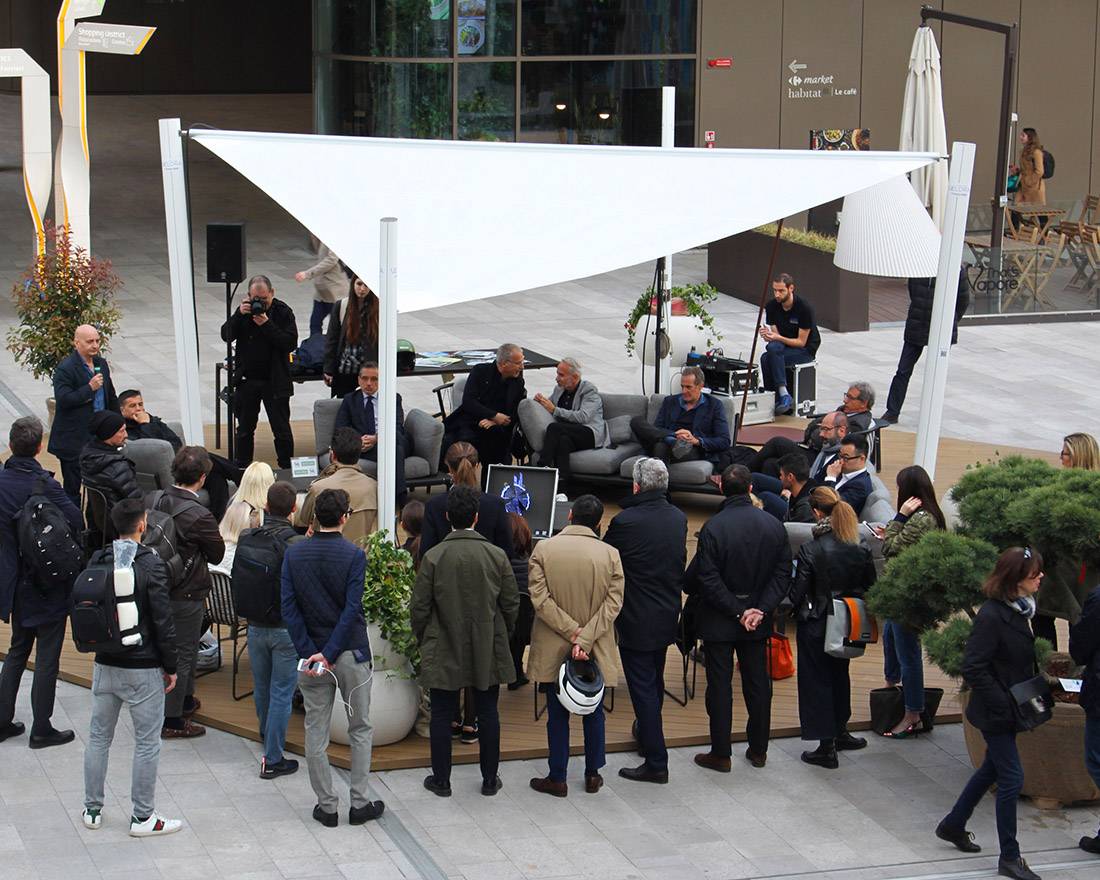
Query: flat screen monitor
column 528, row 491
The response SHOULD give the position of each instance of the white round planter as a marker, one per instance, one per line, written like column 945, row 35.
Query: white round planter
column 682, row 335
column 393, row 696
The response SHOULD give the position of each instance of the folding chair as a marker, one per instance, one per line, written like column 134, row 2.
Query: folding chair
column 222, row 612
column 687, row 658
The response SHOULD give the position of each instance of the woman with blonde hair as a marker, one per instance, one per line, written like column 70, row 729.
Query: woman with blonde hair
column 258, row 477
column 239, row 515
column 1080, row 451
column 833, row 565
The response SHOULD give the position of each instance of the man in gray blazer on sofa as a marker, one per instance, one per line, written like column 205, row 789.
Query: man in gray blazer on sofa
column 578, row 422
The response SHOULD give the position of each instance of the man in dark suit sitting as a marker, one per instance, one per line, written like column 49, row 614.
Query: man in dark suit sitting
column 689, row 426
column 488, row 409
column 359, row 410
column 847, row 473
column 81, row 387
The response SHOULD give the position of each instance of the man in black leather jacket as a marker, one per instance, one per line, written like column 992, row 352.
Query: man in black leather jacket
column 138, row 677
column 104, row 468
column 740, row 574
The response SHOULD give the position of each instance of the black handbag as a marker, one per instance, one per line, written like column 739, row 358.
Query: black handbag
column 1034, row 704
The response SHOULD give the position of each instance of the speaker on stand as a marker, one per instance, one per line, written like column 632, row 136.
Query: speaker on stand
column 225, row 263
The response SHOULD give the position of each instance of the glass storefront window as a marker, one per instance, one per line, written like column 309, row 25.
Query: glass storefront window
column 487, row 101
column 392, row 28
column 608, row 27
column 486, row 27
column 604, row 102
column 391, row 99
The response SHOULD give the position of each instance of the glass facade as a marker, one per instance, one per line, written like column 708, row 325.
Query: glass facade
column 552, row 71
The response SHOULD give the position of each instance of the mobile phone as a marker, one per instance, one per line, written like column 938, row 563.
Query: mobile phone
column 304, row 666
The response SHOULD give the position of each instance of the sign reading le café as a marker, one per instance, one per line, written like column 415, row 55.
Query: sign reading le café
column 823, row 85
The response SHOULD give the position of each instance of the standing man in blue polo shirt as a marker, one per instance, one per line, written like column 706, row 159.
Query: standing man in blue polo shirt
column 790, row 332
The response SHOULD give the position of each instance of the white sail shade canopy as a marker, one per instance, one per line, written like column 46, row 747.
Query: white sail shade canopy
column 482, row 219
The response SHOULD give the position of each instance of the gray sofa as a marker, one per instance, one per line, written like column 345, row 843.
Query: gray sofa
column 424, row 433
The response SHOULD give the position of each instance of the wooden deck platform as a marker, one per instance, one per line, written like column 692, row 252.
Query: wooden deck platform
column 521, row 736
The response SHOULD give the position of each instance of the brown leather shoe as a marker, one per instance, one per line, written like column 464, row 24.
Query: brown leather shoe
column 713, row 762
column 755, row 758
column 196, row 704
column 189, row 730
column 593, row 783
column 549, row 786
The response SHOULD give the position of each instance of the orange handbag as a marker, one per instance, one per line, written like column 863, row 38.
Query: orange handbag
column 780, row 657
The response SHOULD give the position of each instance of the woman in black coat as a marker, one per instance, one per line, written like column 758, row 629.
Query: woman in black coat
column 1000, row 653
column 351, row 338
column 521, row 636
column 832, row 565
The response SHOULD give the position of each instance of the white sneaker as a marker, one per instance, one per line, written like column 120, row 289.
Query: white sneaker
column 154, row 826
column 93, row 819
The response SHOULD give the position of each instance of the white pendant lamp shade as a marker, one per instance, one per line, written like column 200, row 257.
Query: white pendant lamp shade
column 885, row 230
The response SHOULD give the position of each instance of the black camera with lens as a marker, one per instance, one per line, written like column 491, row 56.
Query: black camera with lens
column 257, row 306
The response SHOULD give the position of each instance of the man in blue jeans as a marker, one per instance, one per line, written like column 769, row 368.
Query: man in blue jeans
column 1084, row 647
column 271, row 651
column 790, row 332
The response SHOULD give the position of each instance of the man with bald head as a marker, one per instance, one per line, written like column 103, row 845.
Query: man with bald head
column 81, row 387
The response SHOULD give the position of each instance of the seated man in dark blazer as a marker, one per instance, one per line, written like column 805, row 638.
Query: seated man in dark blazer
column 690, row 425
column 847, row 473
column 81, row 387
column 486, row 416
column 359, row 410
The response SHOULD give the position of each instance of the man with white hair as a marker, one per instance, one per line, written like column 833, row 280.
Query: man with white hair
column 490, row 400
column 577, row 409
column 81, row 387
column 651, row 537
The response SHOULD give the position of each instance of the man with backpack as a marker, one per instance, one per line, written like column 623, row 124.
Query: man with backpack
column 257, row 567
column 40, row 557
column 197, row 544
column 136, row 675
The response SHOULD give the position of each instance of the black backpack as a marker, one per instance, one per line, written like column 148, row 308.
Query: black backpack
column 51, row 553
column 161, row 537
column 257, row 567
column 309, row 357
column 1048, row 164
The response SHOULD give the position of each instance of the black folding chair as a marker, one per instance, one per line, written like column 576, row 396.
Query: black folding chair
column 222, row 612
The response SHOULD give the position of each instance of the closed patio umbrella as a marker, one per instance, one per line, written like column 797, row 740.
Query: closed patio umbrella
column 922, row 121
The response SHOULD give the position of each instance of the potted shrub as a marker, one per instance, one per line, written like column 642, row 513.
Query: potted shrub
column 64, row 288
column 690, row 322
column 394, row 694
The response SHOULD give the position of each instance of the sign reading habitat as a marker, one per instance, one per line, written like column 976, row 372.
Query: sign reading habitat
column 528, row 491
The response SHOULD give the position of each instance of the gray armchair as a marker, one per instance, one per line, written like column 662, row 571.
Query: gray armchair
column 153, row 459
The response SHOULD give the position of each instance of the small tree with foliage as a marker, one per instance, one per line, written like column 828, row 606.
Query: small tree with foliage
column 387, row 592
column 986, row 492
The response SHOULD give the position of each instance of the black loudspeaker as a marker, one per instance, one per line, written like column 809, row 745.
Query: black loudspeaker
column 225, row 257
column 641, row 122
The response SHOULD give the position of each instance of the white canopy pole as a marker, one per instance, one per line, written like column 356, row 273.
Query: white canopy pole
column 668, row 142
column 183, row 284
column 387, row 373
column 943, row 307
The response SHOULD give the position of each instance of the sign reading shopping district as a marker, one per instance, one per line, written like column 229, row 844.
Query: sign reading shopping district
column 116, row 39
column 802, row 86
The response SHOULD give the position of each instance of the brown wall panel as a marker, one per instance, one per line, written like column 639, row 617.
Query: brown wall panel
column 1056, row 86
column 740, row 103
column 827, row 38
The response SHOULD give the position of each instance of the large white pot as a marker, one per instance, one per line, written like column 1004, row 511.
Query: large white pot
column 393, row 696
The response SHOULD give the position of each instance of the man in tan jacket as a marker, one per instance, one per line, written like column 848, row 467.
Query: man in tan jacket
column 576, row 586
column 362, row 490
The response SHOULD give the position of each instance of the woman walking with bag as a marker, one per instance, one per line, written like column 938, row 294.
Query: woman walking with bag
column 1000, row 654
column 832, row 565
column 352, row 338
column 918, row 514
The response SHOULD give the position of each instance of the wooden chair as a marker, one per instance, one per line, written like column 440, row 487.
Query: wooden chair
column 1090, row 210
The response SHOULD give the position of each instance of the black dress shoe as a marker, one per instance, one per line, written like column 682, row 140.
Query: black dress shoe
column 848, row 743
column 329, row 820
column 960, row 837
column 1017, row 869
column 369, row 810
column 53, row 738
column 757, row 759
column 888, row 418
column 1090, row 844
column 823, row 756
column 518, row 683
column 643, row 773
column 436, row 788
column 492, row 787
column 12, row 728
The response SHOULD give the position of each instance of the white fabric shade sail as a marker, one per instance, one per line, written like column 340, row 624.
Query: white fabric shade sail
column 885, row 230
column 482, row 219
column 922, row 121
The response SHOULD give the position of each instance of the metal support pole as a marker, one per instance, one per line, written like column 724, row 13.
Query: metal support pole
column 183, row 284
column 664, row 276
column 230, row 425
column 387, row 365
column 943, row 306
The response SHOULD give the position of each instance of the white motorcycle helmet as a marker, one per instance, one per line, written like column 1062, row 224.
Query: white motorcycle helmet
column 580, row 686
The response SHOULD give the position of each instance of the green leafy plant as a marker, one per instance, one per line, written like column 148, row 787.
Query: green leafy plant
column 64, row 288
column 985, row 493
column 387, row 591
column 1062, row 516
column 946, row 646
column 693, row 296
column 804, row 237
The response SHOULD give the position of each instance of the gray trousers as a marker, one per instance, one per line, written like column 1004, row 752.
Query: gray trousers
column 142, row 692
column 187, row 617
column 319, row 694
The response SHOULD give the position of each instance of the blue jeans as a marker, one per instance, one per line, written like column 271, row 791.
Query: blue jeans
column 274, row 663
column 321, row 310
column 904, row 662
column 1092, row 747
column 775, row 360
column 1002, row 766
column 557, row 735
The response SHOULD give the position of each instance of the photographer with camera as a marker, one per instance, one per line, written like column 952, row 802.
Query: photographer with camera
column 266, row 333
